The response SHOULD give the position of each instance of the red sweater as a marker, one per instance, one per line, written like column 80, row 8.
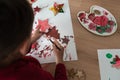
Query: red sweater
column 28, row 68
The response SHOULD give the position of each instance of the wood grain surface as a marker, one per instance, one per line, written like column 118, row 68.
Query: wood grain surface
column 88, row 43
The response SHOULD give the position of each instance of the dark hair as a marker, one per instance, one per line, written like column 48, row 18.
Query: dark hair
column 16, row 20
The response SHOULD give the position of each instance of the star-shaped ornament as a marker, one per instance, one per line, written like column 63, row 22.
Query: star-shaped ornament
column 57, row 8
column 53, row 32
column 37, row 9
column 65, row 39
column 44, row 25
column 80, row 74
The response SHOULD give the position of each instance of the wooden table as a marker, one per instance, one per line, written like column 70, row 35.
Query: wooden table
column 88, row 43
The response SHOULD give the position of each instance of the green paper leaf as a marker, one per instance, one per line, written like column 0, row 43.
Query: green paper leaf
column 112, row 62
column 61, row 11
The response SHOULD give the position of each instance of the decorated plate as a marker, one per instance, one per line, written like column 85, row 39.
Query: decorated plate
column 98, row 21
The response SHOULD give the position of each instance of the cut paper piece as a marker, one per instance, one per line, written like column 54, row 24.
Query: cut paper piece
column 57, row 8
column 109, row 63
column 81, row 75
column 98, row 21
column 37, row 9
column 65, row 39
column 53, row 33
column 76, row 74
column 44, row 25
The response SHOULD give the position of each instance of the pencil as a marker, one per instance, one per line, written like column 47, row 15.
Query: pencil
column 54, row 44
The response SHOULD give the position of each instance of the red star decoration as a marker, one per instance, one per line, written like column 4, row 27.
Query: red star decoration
column 53, row 33
column 44, row 26
column 37, row 9
column 65, row 40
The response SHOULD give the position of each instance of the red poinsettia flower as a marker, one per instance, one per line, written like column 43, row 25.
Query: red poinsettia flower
column 92, row 26
column 82, row 16
column 117, row 65
column 101, row 20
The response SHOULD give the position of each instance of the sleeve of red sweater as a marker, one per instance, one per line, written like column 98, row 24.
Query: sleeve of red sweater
column 60, row 72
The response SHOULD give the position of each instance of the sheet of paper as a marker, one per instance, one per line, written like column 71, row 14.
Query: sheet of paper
column 109, row 63
column 61, row 29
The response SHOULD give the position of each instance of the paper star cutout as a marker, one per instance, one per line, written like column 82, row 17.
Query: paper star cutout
column 44, row 26
column 53, row 33
column 37, row 9
column 65, row 39
column 57, row 8
column 79, row 73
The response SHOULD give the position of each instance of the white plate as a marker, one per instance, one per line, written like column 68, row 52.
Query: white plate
column 98, row 11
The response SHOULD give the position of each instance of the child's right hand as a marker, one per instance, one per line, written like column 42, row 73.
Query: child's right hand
column 58, row 53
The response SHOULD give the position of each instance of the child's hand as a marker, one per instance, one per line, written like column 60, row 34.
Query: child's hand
column 36, row 35
column 58, row 53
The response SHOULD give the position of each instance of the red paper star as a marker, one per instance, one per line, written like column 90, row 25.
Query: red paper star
column 53, row 33
column 65, row 40
column 36, row 9
column 44, row 26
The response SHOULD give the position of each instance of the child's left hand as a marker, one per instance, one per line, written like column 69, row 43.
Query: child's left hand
column 36, row 35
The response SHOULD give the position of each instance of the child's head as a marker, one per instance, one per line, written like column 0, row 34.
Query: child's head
column 16, row 19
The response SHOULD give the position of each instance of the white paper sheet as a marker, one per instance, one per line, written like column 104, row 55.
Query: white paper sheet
column 107, row 71
column 63, row 24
